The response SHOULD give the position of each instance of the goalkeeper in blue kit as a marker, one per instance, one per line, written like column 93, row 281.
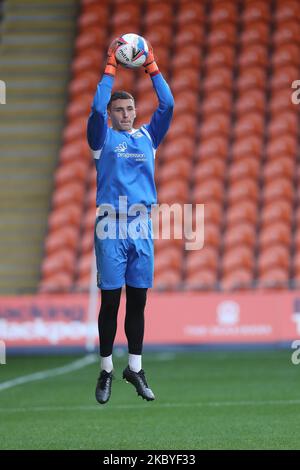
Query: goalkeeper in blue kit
column 124, row 159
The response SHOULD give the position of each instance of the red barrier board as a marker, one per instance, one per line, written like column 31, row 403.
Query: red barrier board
column 171, row 318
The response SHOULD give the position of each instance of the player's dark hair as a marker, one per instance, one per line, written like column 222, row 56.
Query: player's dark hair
column 120, row 95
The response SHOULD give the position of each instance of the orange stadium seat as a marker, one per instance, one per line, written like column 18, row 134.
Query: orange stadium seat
column 94, row 36
column 177, row 170
column 287, row 10
column 247, row 146
column 189, row 34
column 188, row 56
column 84, row 83
column 222, row 34
column 283, row 77
column 128, row 13
column 278, row 211
column 239, row 279
column 146, row 105
column 224, row 12
column 285, row 145
column 274, row 234
column 247, row 167
column 90, row 59
column 118, row 30
column 187, row 79
column 281, row 102
column 285, row 55
column 213, row 147
column 186, row 102
column 197, row 260
column 168, row 279
column 84, row 265
column 68, row 193
column 79, row 106
column 124, row 80
column 206, row 279
column 255, row 55
column 69, row 215
column 178, row 148
column 71, row 151
column 190, row 12
column 277, row 256
column 73, row 171
column 254, row 100
column 66, row 237
column 279, row 189
column 174, row 191
column 159, row 34
column 251, row 78
column 280, row 167
column 238, row 235
column 75, row 129
column 217, row 102
column 211, row 189
column 217, row 124
column 249, row 124
column 87, row 242
column 283, row 123
column 218, row 78
column 255, row 33
column 244, row 211
column 89, row 218
column 213, row 212
column 221, row 56
column 212, row 236
column 62, row 260
column 213, row 167
column 60, row 282
column 240, row 257
column 274, row 279
column 287, row 33
column 90, row 197
column 256, row 11
column 183, row 125
column 162, row 244
column 297, row 238
column 170, row 258
column 158, row 14
column 95, row 15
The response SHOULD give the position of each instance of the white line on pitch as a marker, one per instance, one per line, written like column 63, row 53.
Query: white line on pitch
column 75, row 365
column 112, row 407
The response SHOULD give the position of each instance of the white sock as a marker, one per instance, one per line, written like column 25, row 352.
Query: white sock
column 107, row 363
column 135, row 362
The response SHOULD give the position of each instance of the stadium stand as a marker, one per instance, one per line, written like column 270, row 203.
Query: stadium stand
column 35, row 53
column 233, row 144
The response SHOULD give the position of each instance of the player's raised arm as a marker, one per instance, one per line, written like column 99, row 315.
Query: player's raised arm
column 161, row 118
column 97, row 122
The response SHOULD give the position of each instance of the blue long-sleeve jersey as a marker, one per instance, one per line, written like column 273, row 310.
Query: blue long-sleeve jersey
column 125, row 161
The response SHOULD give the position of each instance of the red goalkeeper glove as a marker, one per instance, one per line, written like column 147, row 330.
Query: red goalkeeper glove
column 111, row 63
column 150, row 64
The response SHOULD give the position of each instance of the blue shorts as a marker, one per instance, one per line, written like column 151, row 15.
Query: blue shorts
column 124, row 259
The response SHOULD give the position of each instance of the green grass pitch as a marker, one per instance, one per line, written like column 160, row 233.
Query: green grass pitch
column 205, row 400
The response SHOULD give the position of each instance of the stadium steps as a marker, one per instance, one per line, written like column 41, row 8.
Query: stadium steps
column 35, row 54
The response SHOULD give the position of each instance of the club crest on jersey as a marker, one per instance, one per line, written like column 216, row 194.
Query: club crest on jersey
column 137, row 134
